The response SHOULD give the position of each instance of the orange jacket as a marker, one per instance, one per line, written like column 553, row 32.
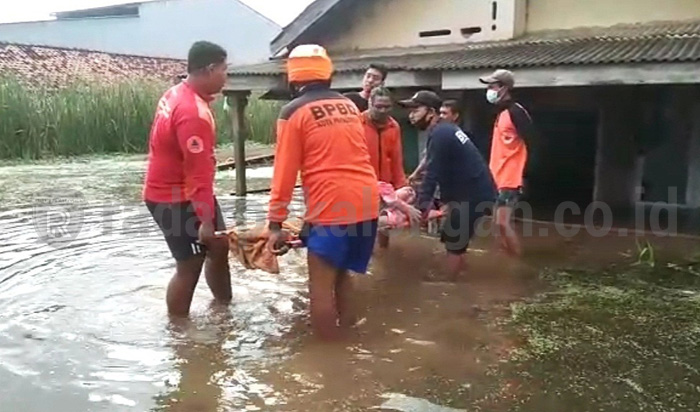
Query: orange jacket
column 320, row 134
column 508, row 151
column 385, row 151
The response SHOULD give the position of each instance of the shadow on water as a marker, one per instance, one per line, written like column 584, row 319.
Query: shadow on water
column 84, row 326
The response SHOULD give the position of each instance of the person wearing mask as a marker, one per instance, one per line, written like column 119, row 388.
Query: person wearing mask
column 179, row 183
column 383, row 135
column 454, row 163
column 320, row 134
column 375, row 76
column 450, row 112
column 508, row 159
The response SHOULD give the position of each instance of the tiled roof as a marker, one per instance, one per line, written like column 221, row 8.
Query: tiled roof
column 53, row 67
column 640, row 43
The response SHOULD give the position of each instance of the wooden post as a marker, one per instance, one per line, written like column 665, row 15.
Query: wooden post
column 239, row 131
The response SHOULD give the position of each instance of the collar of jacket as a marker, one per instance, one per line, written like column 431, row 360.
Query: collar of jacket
column 390, row 124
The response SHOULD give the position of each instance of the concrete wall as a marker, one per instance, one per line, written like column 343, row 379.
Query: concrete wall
column 568, row 14
column 165, row 29
column 392, row 23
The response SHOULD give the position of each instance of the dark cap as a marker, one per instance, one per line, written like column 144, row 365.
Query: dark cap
column 505, row 77
column 423, row 98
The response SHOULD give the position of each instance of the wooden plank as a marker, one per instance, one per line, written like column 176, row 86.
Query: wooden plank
column 244, row 83
column 248, row 162
column 580, row 75
column 265, row 190
column 341, row 81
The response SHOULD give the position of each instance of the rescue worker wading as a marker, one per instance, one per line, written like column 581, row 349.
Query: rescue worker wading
column 453, row 162
column 179, row 183
column 320, row 134
column 383, row 135
column 508, row 160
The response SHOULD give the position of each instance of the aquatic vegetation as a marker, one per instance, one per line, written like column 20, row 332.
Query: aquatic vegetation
column 92, row 118
column 622, row 339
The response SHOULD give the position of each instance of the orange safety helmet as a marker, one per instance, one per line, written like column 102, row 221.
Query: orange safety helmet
column 307, row 63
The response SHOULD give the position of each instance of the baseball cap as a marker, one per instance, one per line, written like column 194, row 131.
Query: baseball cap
column 505, row 77
column 423, row 98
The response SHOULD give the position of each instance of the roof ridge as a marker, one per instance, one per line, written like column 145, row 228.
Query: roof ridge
column 76, row 49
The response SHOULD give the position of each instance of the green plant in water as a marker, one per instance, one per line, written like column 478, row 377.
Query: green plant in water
column 94, row 118
column 645, row 254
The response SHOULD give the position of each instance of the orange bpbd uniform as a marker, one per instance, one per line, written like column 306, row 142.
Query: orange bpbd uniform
column 385, row 150
column 320, row 134
column 508, row 153
column 181, row 161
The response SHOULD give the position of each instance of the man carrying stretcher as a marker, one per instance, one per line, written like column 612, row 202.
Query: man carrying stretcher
column 320, row 134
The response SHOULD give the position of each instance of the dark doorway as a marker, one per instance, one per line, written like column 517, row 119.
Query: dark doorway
column 562, row 160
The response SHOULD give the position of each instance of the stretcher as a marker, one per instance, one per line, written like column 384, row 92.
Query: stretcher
column 249, row 246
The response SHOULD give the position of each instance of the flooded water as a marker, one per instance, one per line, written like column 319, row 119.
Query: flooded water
column 83, row 272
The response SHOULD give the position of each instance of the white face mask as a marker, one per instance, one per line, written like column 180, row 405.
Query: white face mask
column 492, row 96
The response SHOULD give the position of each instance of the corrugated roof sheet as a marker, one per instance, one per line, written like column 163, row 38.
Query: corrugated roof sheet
column 640, row 43
column 53, row 66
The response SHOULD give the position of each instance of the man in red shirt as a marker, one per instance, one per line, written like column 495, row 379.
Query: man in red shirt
column 383, row 135
column 179, row 183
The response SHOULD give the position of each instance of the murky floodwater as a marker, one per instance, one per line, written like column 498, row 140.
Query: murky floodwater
column 83, row 272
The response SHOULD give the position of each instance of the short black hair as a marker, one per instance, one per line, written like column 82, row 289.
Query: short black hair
column 380, row 68
column 204, row 53
column 453, row 105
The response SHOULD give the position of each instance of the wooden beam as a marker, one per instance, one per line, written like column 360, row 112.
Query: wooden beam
column 341, row 81
column 583, row 75
column 239, row 131
column 248, row 82
column 257, row 160
column 403, row 78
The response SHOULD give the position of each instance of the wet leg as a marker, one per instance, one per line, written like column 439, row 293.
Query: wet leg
column 508, row 237
column 455, row 264
column 322, row 284
column 182, row 285
column 218, row 273
column 343, row 296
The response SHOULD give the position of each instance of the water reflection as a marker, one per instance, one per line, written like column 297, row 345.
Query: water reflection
column 84, row 325
column 198, row 348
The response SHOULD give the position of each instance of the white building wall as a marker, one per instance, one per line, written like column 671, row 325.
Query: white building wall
column 165, row 28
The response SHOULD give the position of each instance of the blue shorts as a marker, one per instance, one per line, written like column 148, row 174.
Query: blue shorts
column 346, row 247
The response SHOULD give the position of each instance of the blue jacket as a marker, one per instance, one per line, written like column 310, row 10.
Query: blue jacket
column 455, row 163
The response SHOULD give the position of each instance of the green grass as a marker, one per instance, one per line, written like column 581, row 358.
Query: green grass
column 625, row 339
column 92, row 118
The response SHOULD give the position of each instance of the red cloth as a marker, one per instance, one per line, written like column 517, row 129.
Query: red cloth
column 181, row 161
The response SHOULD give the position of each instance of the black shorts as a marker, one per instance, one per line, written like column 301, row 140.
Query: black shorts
column 459, row 226
column 180, row 226
column 508, row 197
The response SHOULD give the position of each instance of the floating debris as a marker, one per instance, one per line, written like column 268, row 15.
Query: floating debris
column 419, row 342
column 403, row 403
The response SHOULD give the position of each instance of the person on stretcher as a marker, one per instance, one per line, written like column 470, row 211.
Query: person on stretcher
column 398, row 211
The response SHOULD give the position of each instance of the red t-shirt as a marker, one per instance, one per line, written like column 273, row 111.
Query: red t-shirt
column 181, row 161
